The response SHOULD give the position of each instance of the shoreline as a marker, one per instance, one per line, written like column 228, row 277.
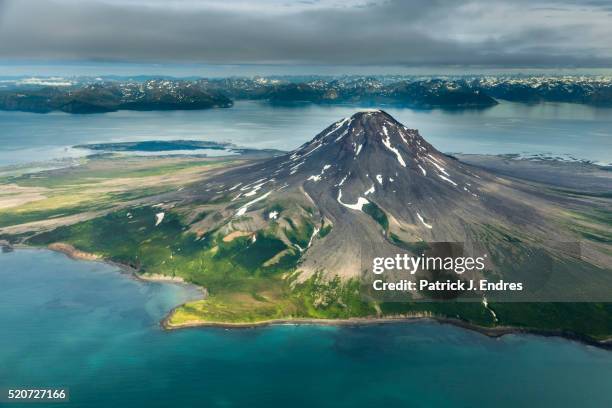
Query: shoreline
column 492, row 332
column 78, row 255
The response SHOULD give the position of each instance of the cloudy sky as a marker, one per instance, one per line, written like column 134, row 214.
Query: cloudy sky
column 498, row 33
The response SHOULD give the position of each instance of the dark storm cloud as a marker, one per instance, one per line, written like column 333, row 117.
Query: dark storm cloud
column 419, row 32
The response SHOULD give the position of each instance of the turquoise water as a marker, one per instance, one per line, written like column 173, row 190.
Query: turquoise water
column 558, row 129
column 88, row 327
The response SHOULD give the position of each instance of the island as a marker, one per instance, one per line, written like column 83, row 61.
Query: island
column 278, row 238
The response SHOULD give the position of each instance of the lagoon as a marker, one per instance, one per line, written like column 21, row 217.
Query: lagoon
column 556, row 129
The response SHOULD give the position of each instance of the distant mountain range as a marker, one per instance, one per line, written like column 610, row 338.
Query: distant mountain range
column 94, row 95
column 109, row 97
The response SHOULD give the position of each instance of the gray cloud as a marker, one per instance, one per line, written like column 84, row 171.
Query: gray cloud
column 419, row 32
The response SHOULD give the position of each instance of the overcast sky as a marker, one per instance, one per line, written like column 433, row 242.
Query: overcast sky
column 500, row 33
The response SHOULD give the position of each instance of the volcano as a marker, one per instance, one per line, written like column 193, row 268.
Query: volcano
column 295, row 235
column 366, row 182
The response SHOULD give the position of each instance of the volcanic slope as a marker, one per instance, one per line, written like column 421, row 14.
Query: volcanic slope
column 368, row 182
column 294, row 236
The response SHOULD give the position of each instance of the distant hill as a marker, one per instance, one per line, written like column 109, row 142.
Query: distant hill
column 550, row 90
column 441, row 94
column 417, row 94
column 109, row 97
column 91, row 95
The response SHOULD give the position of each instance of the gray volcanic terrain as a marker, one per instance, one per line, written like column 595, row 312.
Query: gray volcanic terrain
column 376, row 184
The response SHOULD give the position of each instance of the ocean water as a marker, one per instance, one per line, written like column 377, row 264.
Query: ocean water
column 566, row 130
column 86, row 326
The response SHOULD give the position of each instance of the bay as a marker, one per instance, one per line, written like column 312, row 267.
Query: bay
column 86, row 326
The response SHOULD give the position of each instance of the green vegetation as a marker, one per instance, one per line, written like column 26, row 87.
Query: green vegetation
column 595, row 225
column 246, row 287
column 377, row 214
column 251, row 254
column 98, row 184
column 492, row 233
column 592, row 319
column 603, row 194
column 200, row 216
column 8, row 218
column 414, row 247
column 131, row 237
column 315, row 298
column 299, row 234
column 471, row 312
column 325, row 230
column 110, row 168
column 334, row 298
column 231, row 309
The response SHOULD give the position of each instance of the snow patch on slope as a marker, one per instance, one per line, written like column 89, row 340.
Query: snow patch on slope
column 447, row 179
column 358, row 150
column 317, row 177
column 423, row 221
column 242, row 210
column 159, row 217
column 387, row 142
column 357, row 206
